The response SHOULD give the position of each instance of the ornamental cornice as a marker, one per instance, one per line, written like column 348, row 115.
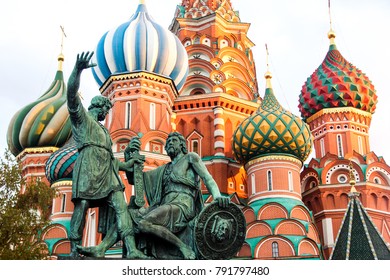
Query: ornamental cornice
column 338, row 110
column 137, row 75
column 62, row 183
column 273, row 157
column 37, row 150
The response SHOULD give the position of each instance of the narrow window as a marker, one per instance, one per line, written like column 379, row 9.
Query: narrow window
column 63, row 201
column 152, row 116
column 269, row 180
column 322, row 144
column 128, row 115
column 253, row 182
column 275, row 249
column 91, row 241
column 195, row 146
column 290, row 182
column 340, row 146
column 360, row 145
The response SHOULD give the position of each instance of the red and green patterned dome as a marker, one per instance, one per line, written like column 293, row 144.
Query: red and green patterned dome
column 271, row 130
column 336, row 83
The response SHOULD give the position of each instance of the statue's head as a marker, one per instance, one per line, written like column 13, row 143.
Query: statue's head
column 175, row 143
column 101, row 105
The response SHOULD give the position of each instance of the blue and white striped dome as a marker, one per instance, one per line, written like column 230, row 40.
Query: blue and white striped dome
column 141, row 45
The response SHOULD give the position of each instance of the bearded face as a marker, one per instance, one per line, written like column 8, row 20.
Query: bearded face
column 173, row 146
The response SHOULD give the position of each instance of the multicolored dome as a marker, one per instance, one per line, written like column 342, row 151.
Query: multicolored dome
column 336, row 83
column 201, row 8
column 271, row 130
column 60, row 164
column 141, row 45
column 43, row 123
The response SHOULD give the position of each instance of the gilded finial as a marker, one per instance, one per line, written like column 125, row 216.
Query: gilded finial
column 142, row 2
column 267, row 75
column 352, row 180
column 61, row 55
column 331, row 33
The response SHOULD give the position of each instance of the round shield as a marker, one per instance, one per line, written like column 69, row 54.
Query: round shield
column 220, row 232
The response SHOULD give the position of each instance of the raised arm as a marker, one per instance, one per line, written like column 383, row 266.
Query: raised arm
column 82, row 62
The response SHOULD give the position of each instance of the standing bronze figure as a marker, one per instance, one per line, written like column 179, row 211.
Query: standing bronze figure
column 95, row 176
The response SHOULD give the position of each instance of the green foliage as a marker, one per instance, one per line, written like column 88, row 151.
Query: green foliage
column 25, row 209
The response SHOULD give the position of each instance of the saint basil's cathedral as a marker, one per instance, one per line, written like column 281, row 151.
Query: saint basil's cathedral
column 198, row 77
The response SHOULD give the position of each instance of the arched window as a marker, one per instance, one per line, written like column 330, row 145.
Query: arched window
column 195, row 146
column 269, row 180
column 152, row 116
column 128, row 115
column 275, row 249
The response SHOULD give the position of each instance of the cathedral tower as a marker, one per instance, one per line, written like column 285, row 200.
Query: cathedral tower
column 221, row 86
column 338, row 101
column 272, row 143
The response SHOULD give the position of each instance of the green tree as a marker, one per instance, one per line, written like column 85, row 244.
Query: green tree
column 23, row 214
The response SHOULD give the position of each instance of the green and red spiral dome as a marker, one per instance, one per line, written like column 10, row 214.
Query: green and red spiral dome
column 336, row 83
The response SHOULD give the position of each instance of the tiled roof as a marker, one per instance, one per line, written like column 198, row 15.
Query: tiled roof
column 358, row 238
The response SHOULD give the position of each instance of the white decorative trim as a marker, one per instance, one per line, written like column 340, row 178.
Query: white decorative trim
column 377, row 169
column 218, row 110
column 344, row 167
column 219, row 132
column 219, row 144
column 219, row 121
column 327, row 226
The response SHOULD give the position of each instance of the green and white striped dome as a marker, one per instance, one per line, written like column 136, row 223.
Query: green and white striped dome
column 44, row 122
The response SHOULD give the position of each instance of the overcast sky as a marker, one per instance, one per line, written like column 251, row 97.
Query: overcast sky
column 294, row 30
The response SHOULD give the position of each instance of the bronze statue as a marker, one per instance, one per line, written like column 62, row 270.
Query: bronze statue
column 174, row 197
column 95, row 176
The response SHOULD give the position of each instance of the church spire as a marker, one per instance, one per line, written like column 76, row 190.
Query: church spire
column 331, row 33
column 267, row 75
column 61, row 55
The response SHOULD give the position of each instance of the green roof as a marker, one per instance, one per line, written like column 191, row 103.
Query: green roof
column 288, row 203
column 358, row 238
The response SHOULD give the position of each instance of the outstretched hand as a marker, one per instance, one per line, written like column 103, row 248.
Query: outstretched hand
column 222, row 201
column 83, row 61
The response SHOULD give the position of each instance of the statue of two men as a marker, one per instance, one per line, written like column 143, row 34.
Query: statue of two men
column 172, row 190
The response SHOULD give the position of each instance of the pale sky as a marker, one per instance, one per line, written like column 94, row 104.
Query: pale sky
column 294, row 30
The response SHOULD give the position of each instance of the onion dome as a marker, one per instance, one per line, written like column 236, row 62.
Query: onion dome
column 140, row 45
column 60, row 164
column 42, row 123
column 201, row 8
column 271, row 130
column 336, row 83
